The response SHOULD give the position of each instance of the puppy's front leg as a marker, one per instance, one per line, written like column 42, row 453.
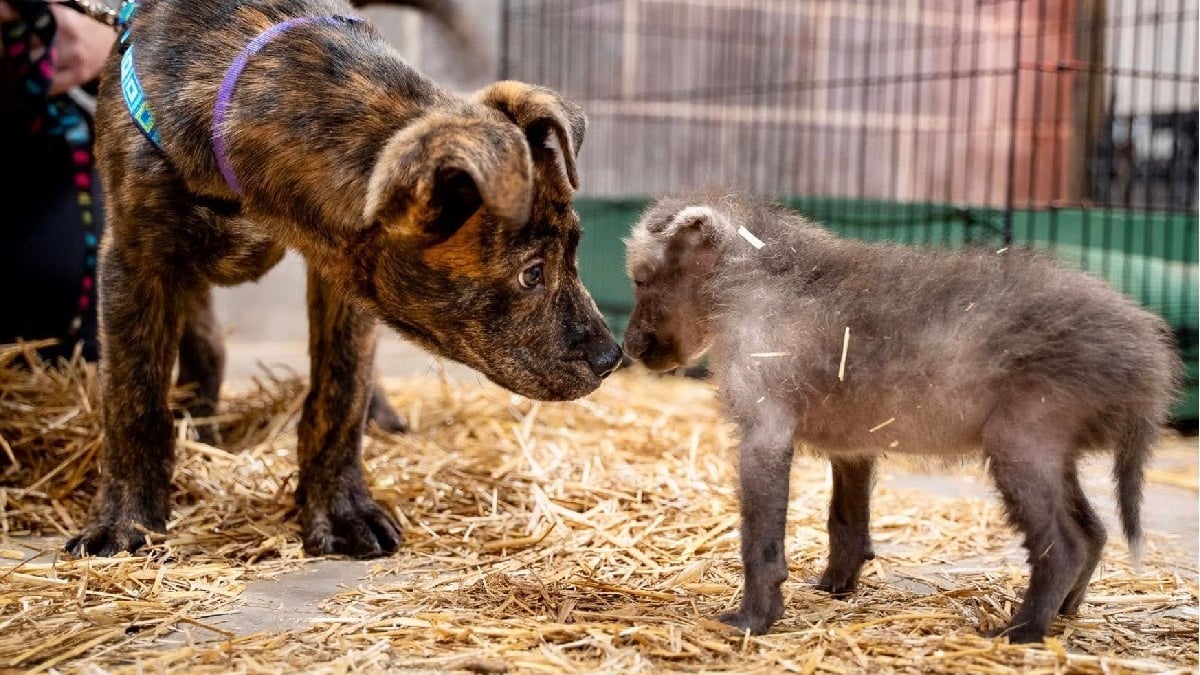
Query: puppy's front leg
column 763, row 469
column 337, row 513
column 141, row 316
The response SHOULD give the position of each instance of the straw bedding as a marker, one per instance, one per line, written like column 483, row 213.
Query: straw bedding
column 597, row 536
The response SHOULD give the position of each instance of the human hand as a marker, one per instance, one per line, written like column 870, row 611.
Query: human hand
column 82, row 45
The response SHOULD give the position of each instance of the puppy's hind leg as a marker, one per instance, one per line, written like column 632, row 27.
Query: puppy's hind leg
column 337, row 513
column 382, row 413
column 202, row 364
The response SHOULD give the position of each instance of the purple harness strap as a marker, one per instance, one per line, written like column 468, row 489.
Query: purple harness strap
column 220, row 136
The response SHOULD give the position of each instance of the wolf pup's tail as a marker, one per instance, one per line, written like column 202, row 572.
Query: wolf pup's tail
column 1129, row 472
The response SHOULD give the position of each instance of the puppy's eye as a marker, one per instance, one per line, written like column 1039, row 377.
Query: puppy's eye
column 531, row 277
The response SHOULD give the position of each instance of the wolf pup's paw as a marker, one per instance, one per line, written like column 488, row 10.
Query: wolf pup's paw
column 838, row 582
column 353, row 525
column 758, row 623
column 1070, row 604
column 1017, row 635
column 757, row 613
column 106, row 539
column 841, row 575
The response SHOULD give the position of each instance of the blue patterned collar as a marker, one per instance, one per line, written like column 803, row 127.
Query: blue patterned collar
column 131, row 87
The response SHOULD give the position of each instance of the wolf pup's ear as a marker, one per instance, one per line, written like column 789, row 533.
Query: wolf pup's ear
column 434, row 174
column 695, row 226
column 539, row 111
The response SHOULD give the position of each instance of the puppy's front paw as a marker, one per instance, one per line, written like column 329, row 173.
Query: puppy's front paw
column 121, row 515
column 353, row 525
column 758, row 623
column 105, row 539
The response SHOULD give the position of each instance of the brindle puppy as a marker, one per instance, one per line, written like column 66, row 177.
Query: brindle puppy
column 449, row 218
column 948, row 352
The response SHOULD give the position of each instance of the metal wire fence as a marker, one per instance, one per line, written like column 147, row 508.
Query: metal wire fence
column 1065, row 123
column 1009, row 104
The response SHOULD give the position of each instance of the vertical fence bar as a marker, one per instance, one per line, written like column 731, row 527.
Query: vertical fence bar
column 505, row 40
column 1151, row 218
column 952, row 137
column 915, row 191
column 864, row 111
column 1014, row 111
column 896, row 70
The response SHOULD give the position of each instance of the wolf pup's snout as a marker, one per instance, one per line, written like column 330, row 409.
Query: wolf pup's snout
column 637, row 342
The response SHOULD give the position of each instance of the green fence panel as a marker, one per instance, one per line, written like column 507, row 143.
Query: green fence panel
column 606, row 223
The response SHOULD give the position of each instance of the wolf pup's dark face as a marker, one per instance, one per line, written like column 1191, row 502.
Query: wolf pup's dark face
column 473, row 252
column 670, row 255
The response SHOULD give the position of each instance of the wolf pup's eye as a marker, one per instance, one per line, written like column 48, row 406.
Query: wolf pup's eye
column 531, row 277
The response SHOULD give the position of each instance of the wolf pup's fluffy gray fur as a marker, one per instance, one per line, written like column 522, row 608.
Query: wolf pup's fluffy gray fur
column 948, row 352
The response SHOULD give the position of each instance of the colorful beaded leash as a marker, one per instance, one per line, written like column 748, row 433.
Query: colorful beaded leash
column 62, row 117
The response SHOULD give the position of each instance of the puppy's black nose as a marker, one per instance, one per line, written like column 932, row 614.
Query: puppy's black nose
column 605, row 359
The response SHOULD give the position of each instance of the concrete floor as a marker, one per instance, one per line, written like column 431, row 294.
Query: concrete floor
column 292, row 600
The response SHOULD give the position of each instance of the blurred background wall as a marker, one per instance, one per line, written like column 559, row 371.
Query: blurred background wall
column 1069, row 124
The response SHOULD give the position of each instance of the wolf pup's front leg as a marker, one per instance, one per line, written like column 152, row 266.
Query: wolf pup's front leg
column 764, row 465
column 337, row 513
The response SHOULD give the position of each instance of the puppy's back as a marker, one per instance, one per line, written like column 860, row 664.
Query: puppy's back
column 318, row 100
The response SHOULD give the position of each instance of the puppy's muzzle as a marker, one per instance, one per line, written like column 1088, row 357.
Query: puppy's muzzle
column 603, row 357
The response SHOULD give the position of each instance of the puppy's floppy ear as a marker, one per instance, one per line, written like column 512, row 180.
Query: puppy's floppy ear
column 435, row 173
column 538, row 111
